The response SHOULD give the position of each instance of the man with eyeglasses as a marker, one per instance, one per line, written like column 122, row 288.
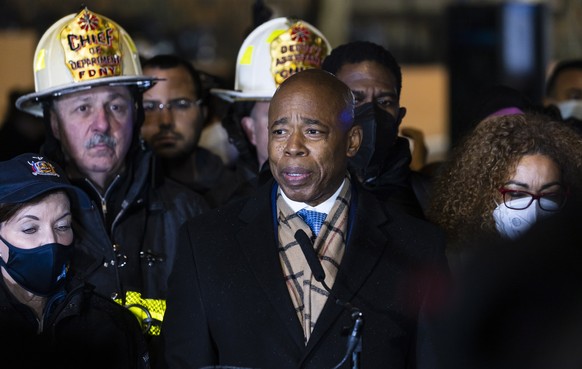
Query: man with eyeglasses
column 89, row 96
column 175, row 112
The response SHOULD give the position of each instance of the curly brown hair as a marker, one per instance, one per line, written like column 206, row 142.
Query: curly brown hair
column 464, row 190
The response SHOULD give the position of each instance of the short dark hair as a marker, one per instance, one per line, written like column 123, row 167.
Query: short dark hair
column 559, row 68
column 360, row 51
column 168, row 61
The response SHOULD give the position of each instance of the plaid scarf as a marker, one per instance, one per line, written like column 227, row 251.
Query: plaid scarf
column 307, row 294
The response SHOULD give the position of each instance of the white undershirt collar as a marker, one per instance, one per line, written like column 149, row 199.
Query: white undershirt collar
column 324, row 207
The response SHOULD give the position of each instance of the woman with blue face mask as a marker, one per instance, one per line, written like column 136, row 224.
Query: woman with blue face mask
column 510, row 172
column 48, row 318
column 36, row 259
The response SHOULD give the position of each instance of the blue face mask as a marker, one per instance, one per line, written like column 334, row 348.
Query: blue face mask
column 41, row 270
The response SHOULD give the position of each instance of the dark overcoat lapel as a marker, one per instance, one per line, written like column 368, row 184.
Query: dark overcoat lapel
column 258, row 243
column 366, row 244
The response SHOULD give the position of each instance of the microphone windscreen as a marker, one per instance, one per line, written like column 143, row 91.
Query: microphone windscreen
column 312, row 260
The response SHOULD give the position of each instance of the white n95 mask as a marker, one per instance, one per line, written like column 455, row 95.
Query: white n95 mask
column 512, row 224
column 570, row 109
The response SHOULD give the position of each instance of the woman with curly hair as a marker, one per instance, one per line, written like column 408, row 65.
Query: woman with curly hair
column 509, row 172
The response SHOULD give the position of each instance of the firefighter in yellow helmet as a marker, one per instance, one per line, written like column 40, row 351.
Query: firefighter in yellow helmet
column 271, row 53
column 88, row 88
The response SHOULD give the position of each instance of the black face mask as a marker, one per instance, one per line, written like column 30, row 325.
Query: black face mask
column 41, row 270
column 380, row 130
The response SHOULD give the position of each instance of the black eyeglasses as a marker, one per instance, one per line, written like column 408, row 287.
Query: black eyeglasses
column 520, row 200
column 177, row 105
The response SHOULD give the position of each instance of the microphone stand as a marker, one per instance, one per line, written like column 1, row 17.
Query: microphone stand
column 358, row 319
column 354, row 344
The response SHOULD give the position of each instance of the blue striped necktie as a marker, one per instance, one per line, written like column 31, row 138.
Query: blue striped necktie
column 313, row 219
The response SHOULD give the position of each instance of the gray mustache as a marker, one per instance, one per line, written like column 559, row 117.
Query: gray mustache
column 100, row 138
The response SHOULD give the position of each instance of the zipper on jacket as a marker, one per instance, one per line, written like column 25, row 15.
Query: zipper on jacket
column 103, row 198
column 48, row 307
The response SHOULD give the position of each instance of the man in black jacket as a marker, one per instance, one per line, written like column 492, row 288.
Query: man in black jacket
column 383, row 162
column 175, row 110
column 88, row 90
column 252, row 280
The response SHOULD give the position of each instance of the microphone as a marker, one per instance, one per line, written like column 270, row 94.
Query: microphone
column 312, row 260
column 319, row 274
column 315, row 265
